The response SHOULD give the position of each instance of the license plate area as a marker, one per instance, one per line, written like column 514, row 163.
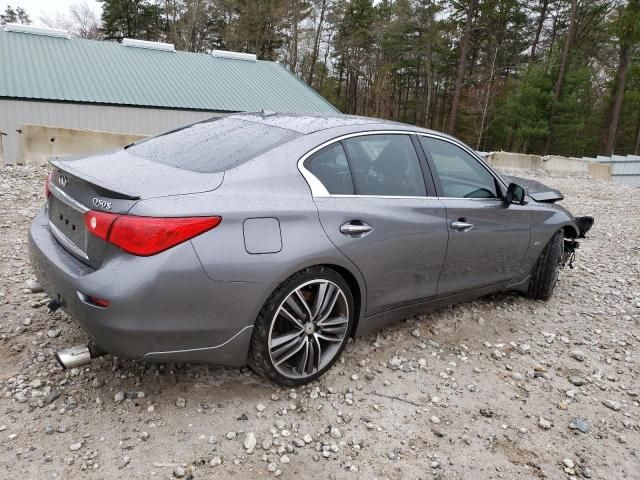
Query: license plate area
column 68, row 221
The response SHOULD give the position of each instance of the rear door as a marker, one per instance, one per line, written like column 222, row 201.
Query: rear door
column 488, row 239
column 376, row 208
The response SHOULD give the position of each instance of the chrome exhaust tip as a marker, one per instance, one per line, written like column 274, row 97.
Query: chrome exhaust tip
column 74, row 357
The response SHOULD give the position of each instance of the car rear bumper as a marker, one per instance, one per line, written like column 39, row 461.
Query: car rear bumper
column 162, row 308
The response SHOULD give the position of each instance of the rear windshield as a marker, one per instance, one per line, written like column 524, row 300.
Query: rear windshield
column 212, row 146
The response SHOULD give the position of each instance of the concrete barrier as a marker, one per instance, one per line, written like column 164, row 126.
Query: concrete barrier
column 554, row 164
column 514, row 161
column 39, row 142
column 600, row 171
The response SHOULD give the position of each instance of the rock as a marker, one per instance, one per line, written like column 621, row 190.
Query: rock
column 579, row 424
column 215, row 461
column 395, row 362
column 267, row 443
column 260, row 407
column 34, row 286
column 179, row 472
column 230, row 435
column 284, row 459
column 335, row 433
column 307, row 438
column 125, row 461
column 486, row 412
column 613, row 405
column 544, row 423
column 577, row 381
column 181, row 402
column 118, row 397
column 250, row 442
column 577, row 355
column 416, row 333
column 53, row 333
column 434, row 419
column 144, row 436
column 74, row 447
column 585, row 472
column 567, row 462
column 524, row 348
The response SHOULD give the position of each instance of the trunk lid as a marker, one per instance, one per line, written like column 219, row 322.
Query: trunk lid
column 136, row 177
column 111, row 182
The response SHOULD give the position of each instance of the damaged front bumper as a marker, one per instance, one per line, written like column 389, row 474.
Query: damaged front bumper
column 571, row 244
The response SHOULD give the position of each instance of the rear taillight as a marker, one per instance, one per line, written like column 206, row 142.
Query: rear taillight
column 47, row 190
column 145, row 236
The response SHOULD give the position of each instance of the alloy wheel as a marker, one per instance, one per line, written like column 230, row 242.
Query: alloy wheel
column 308, row 328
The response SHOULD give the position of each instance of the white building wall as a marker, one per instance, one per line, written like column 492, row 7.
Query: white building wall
column 140, row 121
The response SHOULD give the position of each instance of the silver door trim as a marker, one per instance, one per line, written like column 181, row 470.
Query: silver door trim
column 319, row 190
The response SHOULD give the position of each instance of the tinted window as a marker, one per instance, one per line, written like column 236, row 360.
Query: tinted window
column 385, row 165
column 330, row 166
column 461, row 175
column 212, row 146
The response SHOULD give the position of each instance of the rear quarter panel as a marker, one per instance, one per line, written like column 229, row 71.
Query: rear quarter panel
column 269, row 187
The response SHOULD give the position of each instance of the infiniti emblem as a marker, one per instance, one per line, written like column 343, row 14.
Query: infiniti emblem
column 63, row 180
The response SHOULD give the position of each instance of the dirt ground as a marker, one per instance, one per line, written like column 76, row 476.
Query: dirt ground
column 504, row 387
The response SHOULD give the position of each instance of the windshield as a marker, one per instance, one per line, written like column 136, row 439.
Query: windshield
column 212, row 146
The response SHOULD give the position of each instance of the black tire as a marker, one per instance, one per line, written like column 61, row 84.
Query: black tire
column 259, row 355
column 545, row 272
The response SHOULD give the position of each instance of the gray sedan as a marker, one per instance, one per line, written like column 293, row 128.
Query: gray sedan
column 270, row 239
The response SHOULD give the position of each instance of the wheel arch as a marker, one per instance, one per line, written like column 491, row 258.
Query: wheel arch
column 570, row 231
column 355, row 291
column 351, row 275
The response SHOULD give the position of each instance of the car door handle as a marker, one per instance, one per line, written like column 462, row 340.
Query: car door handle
column 355, row 227
column 461, row 226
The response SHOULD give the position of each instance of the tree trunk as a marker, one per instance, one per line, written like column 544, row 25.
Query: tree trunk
column 541, row 19
column 485, row 108
column 316, row 43
column 636, row 149
column 561, row 73
column 614, row 116
column 464, row 47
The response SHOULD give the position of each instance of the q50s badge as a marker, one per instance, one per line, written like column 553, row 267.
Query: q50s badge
column 98, row 202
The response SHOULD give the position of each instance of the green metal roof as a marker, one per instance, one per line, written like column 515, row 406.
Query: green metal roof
column 89, row 71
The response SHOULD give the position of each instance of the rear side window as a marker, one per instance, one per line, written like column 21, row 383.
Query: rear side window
column 212, row 146
column 330, row 166
column 385, row 165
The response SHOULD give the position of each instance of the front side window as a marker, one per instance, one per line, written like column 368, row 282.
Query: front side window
column 385, row 165
column 461, row 175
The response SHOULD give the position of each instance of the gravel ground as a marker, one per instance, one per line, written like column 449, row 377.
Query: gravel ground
column 504, row 387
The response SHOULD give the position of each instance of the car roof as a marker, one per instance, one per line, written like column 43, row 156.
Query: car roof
column 306, row 123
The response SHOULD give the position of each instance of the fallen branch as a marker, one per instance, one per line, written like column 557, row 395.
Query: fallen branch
column 392, row 397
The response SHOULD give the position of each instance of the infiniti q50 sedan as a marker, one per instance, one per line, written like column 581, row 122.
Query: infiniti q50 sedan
column 270, row 239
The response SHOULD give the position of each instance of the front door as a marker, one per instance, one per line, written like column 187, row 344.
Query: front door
column 377, row 213
column 488, row 239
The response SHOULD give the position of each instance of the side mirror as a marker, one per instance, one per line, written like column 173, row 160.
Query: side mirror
column 516, row 194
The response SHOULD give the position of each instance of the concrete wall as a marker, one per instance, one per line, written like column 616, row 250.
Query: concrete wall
column 128, row 120
column 553, row 164
column 514, row 161
column 39, row 142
